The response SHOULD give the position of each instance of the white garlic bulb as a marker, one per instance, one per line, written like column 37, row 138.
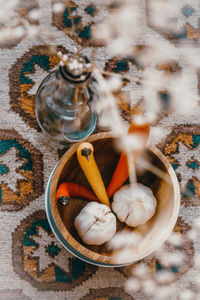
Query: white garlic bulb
column 95, row 223
column 134, row 204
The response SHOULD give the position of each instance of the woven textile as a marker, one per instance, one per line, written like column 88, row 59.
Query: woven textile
column 33, row 263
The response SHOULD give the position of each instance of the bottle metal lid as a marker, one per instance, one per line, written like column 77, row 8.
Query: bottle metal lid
column 75, row 69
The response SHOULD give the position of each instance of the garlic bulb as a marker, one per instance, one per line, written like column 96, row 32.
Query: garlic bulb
column 95, row 223
column 134, row 204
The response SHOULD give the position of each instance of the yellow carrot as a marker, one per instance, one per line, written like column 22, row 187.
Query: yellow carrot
column 85, row 156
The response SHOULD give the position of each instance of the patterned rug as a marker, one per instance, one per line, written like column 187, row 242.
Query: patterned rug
column 33, row 264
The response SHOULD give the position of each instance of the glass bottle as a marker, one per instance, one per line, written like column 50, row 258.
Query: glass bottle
column 62, row 101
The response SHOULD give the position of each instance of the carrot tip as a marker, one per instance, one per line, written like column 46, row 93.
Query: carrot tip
column 63, row 200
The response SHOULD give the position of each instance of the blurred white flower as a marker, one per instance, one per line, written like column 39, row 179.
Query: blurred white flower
column 149, row 286
column 156, row 134
column 164, row 277
column 34, row 14
column 196, row 280
column 175, row 239
column 132, row 142
column 157, row 51
column 109, row 117
column 32, row 31
column 189, row 54
column 196, row 223
column 120, row 45
column 109, row 85
column 139, row 120
column 182, row 90
column 152, row 83
column 7, row 10
column 106, row 106
column 192, row 234
column 8, row 35
column 165, row 15
column 184, row 96
column 164, row 292
column 172, row 258
column 186, row 295
column 123, row 256
column 58, row 7
column 125, row 238
column 133, row 285
column 142, row 271
column 114, row 83
column 121, row 27
column 197, row 260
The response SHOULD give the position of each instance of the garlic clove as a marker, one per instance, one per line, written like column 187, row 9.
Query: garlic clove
column 134, row 204
column 100, row 232
column 95, row 223
column 124, row 209
column 80, row 221
column 136, row 216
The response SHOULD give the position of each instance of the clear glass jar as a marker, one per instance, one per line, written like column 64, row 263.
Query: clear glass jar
column 62, row 102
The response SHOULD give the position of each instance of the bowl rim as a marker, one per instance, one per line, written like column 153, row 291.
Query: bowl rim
column 83, row 253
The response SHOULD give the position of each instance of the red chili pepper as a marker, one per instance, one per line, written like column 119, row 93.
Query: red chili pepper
column 121, row 172
column 71, row 189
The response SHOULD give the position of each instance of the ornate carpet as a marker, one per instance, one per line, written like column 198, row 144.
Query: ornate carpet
column 33, row 265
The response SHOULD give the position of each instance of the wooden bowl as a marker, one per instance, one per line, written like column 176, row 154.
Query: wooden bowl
column 155, row 231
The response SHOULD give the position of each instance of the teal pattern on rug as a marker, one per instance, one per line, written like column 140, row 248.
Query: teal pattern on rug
column 5, row 145
column 41, row 60
column 78, row 267
column 196, row 140
column 83, row 33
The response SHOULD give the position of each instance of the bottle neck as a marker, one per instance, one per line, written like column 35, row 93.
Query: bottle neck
column 73, row 79
column 69, row 95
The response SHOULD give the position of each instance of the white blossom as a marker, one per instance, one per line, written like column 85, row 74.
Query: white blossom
column 125, row 238
column 158, row 51
column 139, row 120
column 121, row 27
column 7, row 10
column 149, row 286
column 164, row 276
column 173, row 258
column 165, row 14
column 197, row 260
column 142, row 271
column 186, row 295
column 34, row 14
column 175, row 239
column 132, row 142
column 184, row 98
column 132, row 285
column 59, row 53
column 164, row 292
column 192, row 234
column 110, row 85
column 189, row 54
column 152, row 83
column 123, row 256
column 11, row 34
column 196, row 280
column 156, row 134
column 58, row 7
column 196, row 224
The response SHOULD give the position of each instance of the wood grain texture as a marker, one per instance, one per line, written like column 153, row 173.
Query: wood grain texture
column 155, row 231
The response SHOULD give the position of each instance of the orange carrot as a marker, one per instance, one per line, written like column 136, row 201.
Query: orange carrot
column 68, row 189
column 136, row 128
column 121, row 172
